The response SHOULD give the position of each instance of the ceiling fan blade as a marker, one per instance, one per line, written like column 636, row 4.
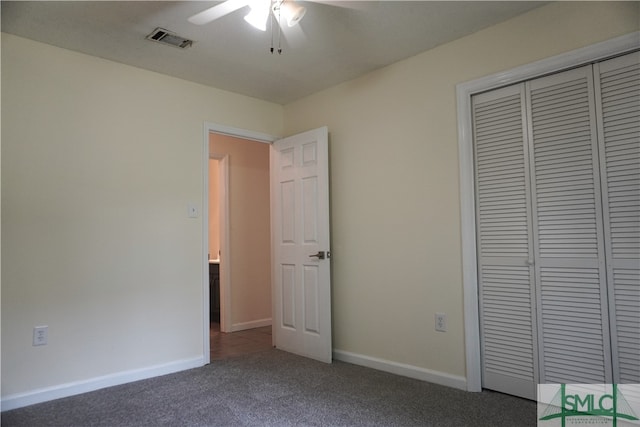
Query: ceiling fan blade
column 217, row 11
column 346, row 4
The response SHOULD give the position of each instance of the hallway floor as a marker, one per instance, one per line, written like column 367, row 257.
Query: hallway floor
column 224, row 345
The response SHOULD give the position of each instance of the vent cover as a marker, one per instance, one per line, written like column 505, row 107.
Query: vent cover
column 163, row 36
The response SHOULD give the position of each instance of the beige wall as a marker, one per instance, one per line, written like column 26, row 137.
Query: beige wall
column 249, row 220
column 214, row 211
column 396, row 235
column 96, row 241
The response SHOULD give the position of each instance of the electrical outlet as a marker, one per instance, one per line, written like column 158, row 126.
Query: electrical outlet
column 441, row 322
column 40, row 335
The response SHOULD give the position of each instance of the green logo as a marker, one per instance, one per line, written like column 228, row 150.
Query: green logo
column 588, row 400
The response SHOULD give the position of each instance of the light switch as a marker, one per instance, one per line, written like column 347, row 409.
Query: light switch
column 192, row 210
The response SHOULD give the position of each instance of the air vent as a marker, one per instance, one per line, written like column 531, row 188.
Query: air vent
column 163, row 36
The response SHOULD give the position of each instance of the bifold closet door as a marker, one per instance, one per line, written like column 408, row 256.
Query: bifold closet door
column 570, row 270
column 618, row 98
column 505, row 253
column 557, row 164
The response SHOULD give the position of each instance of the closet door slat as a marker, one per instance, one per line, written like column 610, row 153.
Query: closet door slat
column 618, row 81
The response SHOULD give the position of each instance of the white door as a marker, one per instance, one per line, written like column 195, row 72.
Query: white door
column 570, row 271
column 505, row 251
column 300, row 236
column 618, row 96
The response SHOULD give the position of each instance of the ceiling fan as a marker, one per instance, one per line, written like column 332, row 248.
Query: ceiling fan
column 258, row 16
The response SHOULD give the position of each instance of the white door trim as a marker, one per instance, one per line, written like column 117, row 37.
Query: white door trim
column 225, row 315
column 464, row 91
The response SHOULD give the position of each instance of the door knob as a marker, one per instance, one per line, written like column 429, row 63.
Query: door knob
column 319, row 255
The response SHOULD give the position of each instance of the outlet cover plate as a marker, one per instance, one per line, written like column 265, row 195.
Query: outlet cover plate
column 40, row 335
column 441, row 322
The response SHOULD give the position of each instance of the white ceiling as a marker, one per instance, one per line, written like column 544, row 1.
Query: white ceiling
column 335, row 42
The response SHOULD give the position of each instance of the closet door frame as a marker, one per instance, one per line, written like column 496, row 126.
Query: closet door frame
column 464, row 92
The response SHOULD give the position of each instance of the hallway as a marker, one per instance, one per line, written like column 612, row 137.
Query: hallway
column 224, row 345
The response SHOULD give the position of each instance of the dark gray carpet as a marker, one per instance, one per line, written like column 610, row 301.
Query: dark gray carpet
column 275, row 388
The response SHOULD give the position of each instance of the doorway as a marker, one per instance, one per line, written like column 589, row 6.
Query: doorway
column 305, row 158
column 239, row 246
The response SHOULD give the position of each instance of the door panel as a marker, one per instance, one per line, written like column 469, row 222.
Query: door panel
column 504, row 234
column 300, row 227
column 568, row 232
column 618, row 83
column 288, row 308
column 311, row 297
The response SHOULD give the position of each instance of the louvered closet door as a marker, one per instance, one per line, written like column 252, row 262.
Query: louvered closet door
column 618, row 93
column 504, row 248
column 573, row 329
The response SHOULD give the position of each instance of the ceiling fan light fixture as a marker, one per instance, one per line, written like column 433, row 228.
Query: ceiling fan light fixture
column 259, row 14
column 292, row 13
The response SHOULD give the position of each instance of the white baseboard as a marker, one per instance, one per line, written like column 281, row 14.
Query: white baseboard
column 250, row 325
column 402, row 369
column 77, row 387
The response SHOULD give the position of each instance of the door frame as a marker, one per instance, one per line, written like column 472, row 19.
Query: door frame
column 225, row 279
column 464, row 92
column 224, row 236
